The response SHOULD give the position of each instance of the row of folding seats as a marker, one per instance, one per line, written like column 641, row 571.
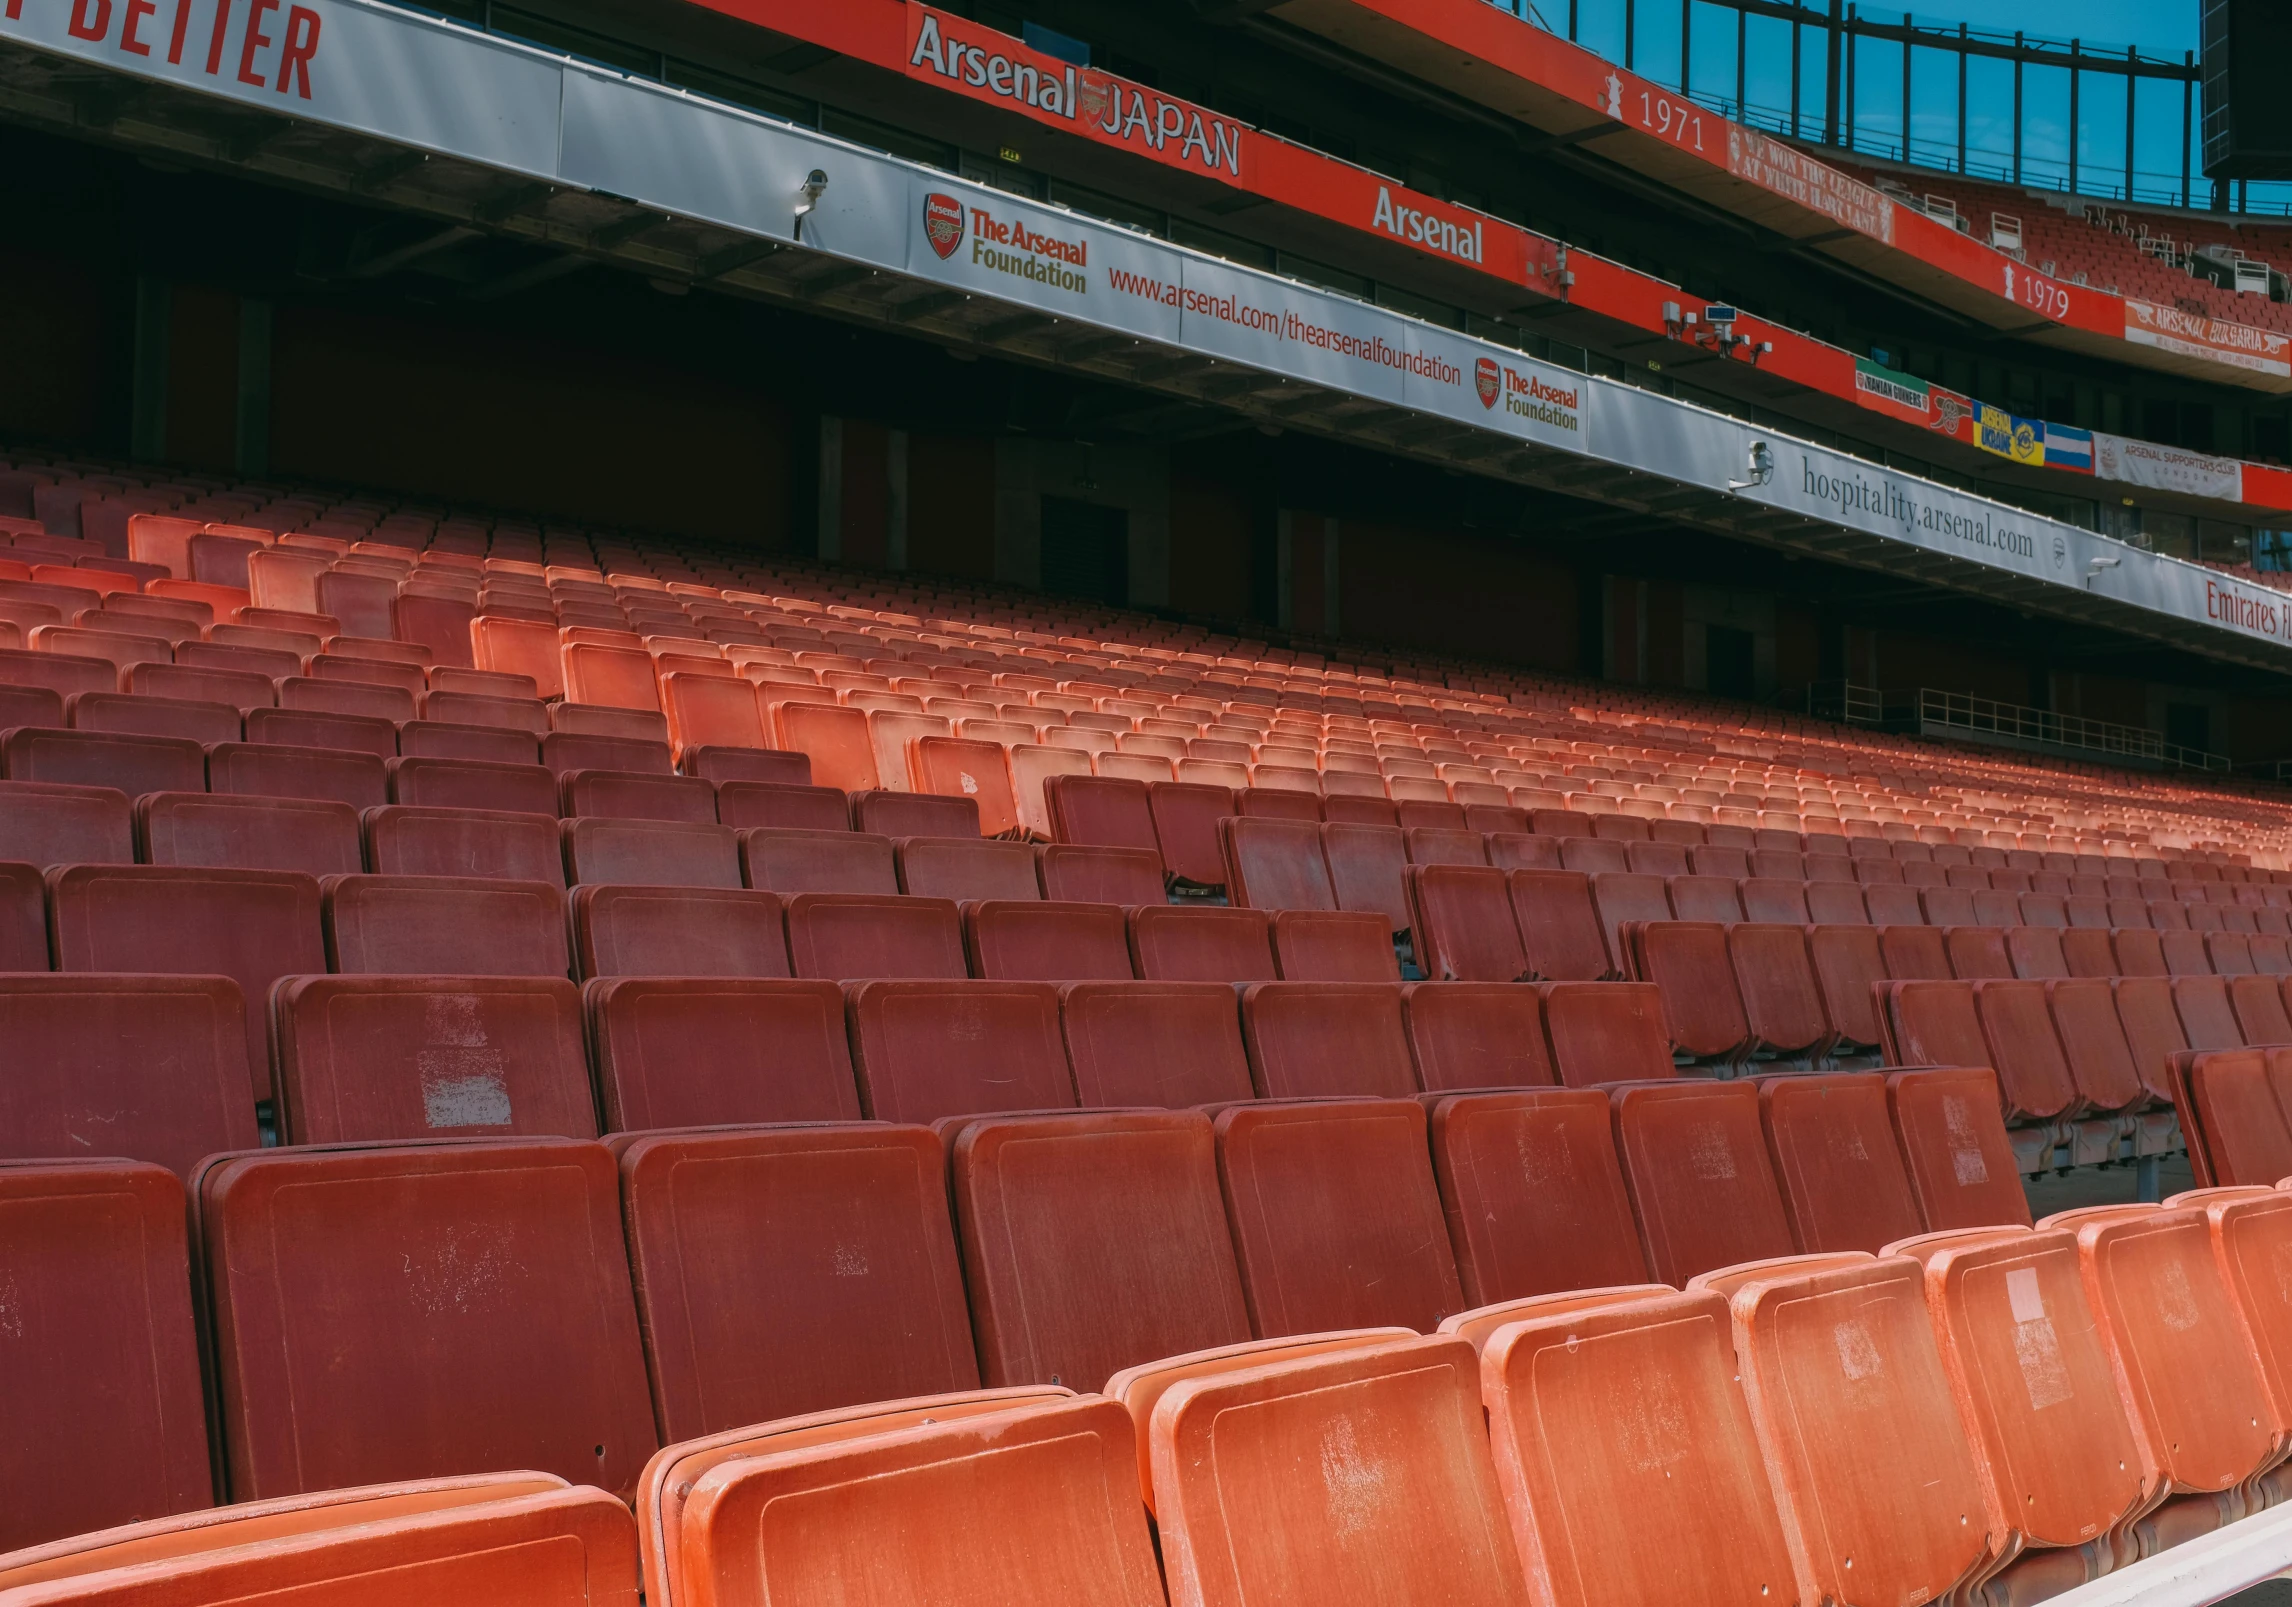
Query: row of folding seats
column 2085, row 1062
column 384, row 1313
column 1636, row 1444
column 167, row 1068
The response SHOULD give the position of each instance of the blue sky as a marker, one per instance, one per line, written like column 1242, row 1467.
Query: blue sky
column 2160, row 28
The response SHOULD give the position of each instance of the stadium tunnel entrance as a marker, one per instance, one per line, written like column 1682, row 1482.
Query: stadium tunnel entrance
column 202, row 313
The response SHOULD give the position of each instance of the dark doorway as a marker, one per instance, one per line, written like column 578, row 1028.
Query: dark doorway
column 1727, row 656
column 2189, row 725
column 1086, row 551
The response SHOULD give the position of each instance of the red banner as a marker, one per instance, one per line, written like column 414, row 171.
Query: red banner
column 2194, row 335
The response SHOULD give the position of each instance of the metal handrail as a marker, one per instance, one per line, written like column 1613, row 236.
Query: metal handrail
column 1969, row 713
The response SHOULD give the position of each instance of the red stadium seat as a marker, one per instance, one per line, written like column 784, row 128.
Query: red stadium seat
column 406, row 841
column 926, row 1050
column 769, row 766
column 1367, row 870
column 1843, row 1181
column 106, row 1422
column 635, row 795
column 1474, row 1035
column 1563, row 1223
column 915, row 814
column 1695, row 1160
column 789, row 862
column 314, row 836
column 444, row 926
column 1154, row 1043
column 971, row 867
column 1556, row 926
column 1465, row 927
column 137, row 714
column 395, row 1059
column 309, row 728
column 1604, row 1032
column 714, row 1051
column 1175, row 943
column 260, row 770
column 1275, row 864
column 779, row 806
column 1336, row 1219
column 1333, row 946
column 1093, row 1242
column 428, row 739
column 1028, row 940
column 251, row 926
column 150, row 1068
column 1961, row 1164
column 1185, row 817
column 1769, row 901
column 337, row 1273
column 651, row 853
column 1101, row 811
column 1080, row 873
column 46, row 824
column 750, row 1314
column 1326, row 1040
column 848, row 936
column 2230, row 1104
column 132, row 764
column 678, row 932
column 525, row 789
column 565, row 751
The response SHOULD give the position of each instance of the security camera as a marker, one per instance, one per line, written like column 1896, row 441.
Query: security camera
column 1760, row 463
column 2094, row 566
column 815, row 185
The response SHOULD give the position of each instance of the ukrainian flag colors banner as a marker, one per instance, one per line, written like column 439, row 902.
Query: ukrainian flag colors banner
column 2021, row 439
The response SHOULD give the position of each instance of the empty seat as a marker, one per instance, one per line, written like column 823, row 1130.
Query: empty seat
column 1961, row 1164
column 1103, row 811
column 635, row 795
column 1976, row 952
column 2153, row 1030
column 942, row 1468
column 431, row 739
column 1615, row 1514
column 1080, row 873
column 1176, row 943
column 1093, row 1242
column 1846, row 961
column 928, row 1049
column 1326, row 1040
column 2188, row 1379
column 1704, row 898
column 652, row 853
column 1854, row 1336
column 2259, row 1005
column 1186, row 817
column 1688, row 964
column 45, row 824
column 249, row 925
column 2093, row 1045
column 137, row 714
column 402, row 840
column 1602, row 1032
column 318, row 837
column 1154, row 1043
column 1556, row 926
column 678, row 932
column 2231, row 1113
column 1768, row 900
column 306, row 728
column 444, row 926
column 1334, row 946
column 1695, row 1160
column 789, row 862
column 150, row 1068
column 133, row 764
column 782, row 806
column 1029, row 940
column 1893, row 906
column 713, row 1051
column 262, row 770
column 2056, row 1482
column 1522, row 1228
column 1465, row 927
column 394, row 1059
column 849, row 936
column 106, row 1422
column 2024, row 1050
column 1368, row 867
column 970, row 867
column 1842, row 1177
column 1336, row 1219
column 915, row 814
column 526, row 789
column 1421, row 1520
column 1474, row 1035
column 568, row 751
column 1275, row 864
column 978, row 772
column 341, row 1277
column 750, row 1313
column 711, row 711
column 2206, row 1018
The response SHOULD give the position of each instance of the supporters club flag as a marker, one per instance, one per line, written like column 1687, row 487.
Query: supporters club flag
column 2001, row 433
column 2069, row 449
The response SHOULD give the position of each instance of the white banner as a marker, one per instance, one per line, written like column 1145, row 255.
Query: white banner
column 438, row 86
column 2167, row 468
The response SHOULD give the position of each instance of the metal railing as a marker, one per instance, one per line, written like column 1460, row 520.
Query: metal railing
column 1965, row 712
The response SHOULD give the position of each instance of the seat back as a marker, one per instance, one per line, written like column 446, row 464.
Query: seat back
column 1702, row 1187
column 703, row 1051
column 930, row 1049
column 678, row 931
column 1843, row 1181
column 1961, row 1164
column 1326, row 1040
column 1469, row 1035
column 1154, row 1043
column 1520, row 1231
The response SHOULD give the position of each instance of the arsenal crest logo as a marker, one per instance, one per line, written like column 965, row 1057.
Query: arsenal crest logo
column 943, row 223
column 1486, row 377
